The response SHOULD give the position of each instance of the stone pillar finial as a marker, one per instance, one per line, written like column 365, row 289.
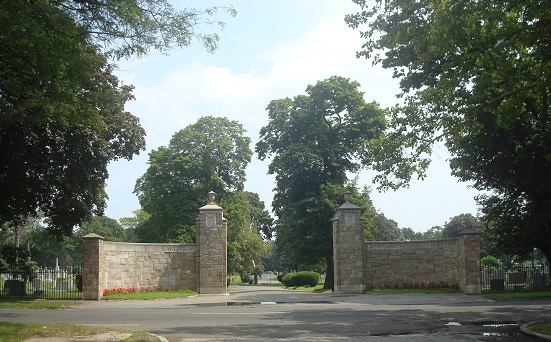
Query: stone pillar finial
column 212, row 196
column 347, row 196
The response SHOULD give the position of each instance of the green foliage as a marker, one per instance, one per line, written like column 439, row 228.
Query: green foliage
column 134, row 27
column 541, row 327
column 489, row 261
column 17, row 259
column 130, row 224
column 460, row 223
column 14, row 332
column 313, row 140
column 385, row 229
column 245, row 278
column 245, row 244
column 474, row 75
column 304, row 278
column 62, row 120
column 63, row 117
column 280, row 277
column 104, row 226
column 433, row 233
column 210, row 155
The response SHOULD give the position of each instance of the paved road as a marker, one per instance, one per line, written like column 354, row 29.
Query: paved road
column 267, row 313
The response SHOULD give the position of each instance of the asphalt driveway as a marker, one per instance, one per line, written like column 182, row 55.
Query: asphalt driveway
column 258, row 313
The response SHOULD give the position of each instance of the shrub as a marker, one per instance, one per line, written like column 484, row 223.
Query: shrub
column 304, row 278
column 489, row 261
column 280, row 277
column 245, row 278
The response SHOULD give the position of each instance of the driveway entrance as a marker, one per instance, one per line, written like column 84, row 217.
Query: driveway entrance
column 262, row 313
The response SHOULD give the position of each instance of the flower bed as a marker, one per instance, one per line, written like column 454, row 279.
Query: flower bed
column 121, row 290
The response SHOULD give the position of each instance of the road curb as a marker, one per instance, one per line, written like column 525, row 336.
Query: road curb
column 525, row 330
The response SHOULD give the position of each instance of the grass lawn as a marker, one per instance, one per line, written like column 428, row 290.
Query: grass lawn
column 11, row 332
column 37, row 304
column 519, row 295
column 413, row 291
column 15, row 332
column 541, row 327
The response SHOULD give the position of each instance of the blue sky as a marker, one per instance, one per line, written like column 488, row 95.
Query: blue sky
column 270, row 50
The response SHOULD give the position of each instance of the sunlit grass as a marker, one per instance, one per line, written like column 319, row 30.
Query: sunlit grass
column 413, row 291
column 518, row 295
column 37, row 304
column 12, row 332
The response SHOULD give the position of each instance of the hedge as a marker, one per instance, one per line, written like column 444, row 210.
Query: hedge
column 304, row 278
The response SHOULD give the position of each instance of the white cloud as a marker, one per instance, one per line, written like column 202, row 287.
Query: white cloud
column 187, row 90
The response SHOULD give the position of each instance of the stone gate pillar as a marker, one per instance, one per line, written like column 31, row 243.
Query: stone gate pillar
column 91, row 267
column 211, row 249
column 348, row 241
column 470, row 281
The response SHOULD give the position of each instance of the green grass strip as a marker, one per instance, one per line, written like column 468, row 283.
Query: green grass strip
column 14, row 332
column 38, row 304
column 412, row 291
column 541, row 327
column 518, row 295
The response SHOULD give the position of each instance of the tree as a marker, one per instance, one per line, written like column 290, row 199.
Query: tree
column 62, row 109
column 409, row 234
column 384, row 229
column 260, row 219
column 434, row 233
column 130, row 224
column 62, row 120
column 475, row 75
column 314, row 140
column 460, row 223
column 210, row 155
column 245, row 245
column 104, row 226
column 134, row 27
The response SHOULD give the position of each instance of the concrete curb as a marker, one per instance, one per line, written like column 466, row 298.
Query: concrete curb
column 524, row 329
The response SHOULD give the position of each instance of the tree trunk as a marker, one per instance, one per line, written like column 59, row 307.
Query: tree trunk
column 329, row 274
column 17, row 235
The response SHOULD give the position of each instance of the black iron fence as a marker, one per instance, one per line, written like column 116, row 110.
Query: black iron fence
column 514, row 277
column 46, row 283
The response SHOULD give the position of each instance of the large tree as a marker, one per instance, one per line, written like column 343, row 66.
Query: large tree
column 209, row 155
column 460, row 223
column 385, row 229
column 314, row 140
column 475, row 75
column 62, row 117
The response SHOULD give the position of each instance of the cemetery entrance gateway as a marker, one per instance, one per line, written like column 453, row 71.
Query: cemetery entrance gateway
column 200, row 266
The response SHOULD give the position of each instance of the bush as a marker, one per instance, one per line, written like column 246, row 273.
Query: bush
column 304, row 278
column 280, row 277
column 489, row 261
column 245, row 278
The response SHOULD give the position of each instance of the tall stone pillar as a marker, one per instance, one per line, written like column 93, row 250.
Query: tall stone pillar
column 212, row 249
column 348, row 241
column 91, row 267
column 470, row 281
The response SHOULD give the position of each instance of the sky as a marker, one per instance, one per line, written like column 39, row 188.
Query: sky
column 270, row 50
